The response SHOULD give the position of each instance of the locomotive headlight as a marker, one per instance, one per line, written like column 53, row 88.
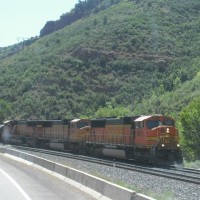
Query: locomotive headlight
column 178, row 145
column 167, row 130
column 162, row 145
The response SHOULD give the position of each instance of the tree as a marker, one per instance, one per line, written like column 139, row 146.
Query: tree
column 189, row 125
column 4, row 110
column 109, row 111
column 105, row 20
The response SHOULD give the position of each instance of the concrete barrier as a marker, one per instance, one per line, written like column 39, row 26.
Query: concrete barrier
column 23, row 155
column 75, row 175
column 2, row 150
column 38, row 161
column 94, row 183
column 27, row 157
column 99, row 185
column 48, row 165
column 117, row 192
column 60, row 169
column 13, row 152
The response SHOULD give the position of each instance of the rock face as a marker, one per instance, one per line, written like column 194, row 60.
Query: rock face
column 64, row 20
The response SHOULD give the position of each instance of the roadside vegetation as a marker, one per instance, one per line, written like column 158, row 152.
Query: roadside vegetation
column 189, row 127
column 195, row 164
column 5, row 110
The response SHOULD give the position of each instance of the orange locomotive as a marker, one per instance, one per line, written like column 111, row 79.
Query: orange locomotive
column 145, row 138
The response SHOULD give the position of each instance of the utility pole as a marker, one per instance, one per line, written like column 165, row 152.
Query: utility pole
column 21, row 40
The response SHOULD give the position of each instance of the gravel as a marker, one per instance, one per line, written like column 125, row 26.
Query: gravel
column 156, row 187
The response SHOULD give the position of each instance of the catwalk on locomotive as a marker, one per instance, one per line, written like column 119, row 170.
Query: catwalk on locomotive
column 152, row 139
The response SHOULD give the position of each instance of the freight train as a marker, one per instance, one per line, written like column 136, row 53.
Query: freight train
column 152, row 139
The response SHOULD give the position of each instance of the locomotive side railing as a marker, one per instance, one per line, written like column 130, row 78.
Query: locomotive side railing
column 153, row 148
column 109, row 139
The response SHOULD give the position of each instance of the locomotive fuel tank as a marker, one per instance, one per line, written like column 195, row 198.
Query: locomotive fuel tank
column 57, row 146
column 114, row 153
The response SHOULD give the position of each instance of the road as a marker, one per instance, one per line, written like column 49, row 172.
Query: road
column 19, row 181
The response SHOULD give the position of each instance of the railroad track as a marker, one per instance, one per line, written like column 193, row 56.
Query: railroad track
column 187, row 170
column 181, row 174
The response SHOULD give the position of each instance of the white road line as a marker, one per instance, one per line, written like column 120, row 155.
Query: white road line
column 16, row 185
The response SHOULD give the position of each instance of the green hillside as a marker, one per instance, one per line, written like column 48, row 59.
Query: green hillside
column 140, row 54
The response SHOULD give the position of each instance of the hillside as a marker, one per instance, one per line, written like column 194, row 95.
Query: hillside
column 140, row 54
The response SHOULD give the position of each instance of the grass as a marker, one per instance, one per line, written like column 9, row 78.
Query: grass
column 195, row 164
column 167, row 195
column 164, row 196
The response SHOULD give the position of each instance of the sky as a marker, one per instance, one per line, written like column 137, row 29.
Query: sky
column 23, row 19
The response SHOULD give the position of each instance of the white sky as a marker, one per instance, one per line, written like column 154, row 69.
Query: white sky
column 25, row 18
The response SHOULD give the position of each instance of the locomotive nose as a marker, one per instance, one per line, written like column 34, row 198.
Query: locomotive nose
column 168, row 131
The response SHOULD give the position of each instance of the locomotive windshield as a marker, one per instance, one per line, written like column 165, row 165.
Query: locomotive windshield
column 82, row 124
column 155, row 123
column 168, row 122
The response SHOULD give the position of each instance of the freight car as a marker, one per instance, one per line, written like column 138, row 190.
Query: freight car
column 151, row 139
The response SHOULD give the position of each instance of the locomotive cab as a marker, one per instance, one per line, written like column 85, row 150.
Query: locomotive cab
column 1, row 131
column 8, row 131
column 156, row 139
column 79, row 129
